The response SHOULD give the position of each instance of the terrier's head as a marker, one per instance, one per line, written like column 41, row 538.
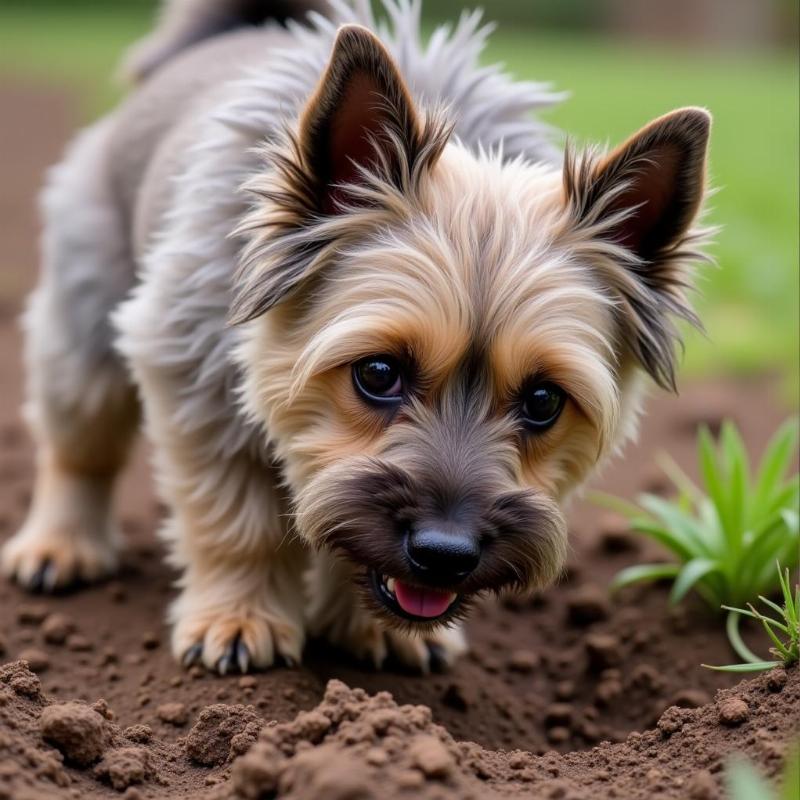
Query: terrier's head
column 442, row 344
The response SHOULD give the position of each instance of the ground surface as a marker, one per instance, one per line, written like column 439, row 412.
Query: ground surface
column 560, row 673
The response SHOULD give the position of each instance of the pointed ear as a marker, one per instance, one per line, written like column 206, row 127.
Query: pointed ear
column 361, row 116
column 645, row 197
column 359, row 141
column 655, row 181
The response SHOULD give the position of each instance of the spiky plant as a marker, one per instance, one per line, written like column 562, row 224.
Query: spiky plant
column 726, row 536
column 783, row 628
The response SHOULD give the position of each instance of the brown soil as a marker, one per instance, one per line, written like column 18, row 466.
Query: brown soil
column 555, row 674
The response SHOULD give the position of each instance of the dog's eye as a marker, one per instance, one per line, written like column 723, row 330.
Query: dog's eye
column 541, row 405
column 379, row 379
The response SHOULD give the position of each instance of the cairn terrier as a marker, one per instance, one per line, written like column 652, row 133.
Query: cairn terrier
column 376, row 327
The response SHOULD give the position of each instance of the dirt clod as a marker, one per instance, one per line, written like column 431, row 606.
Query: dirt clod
column 702, row 786
column 558, row 734
column 603, row 651
column 558, row 714
column 456, row 696
column 32, row 613
column 732, row 711
column 37, row 660
column 173, row 714
column 672, row 720
column 523, row 661
column 776, row 679
column 210, row 739
column 124, row 767
column 141, row 734
column 56, row 628
column 587, row 605
column 18, row 677
column 77, row 730
column 78, row 643
column 431, row 756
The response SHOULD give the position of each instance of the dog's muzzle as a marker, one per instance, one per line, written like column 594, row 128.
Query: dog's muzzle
column 436, row 557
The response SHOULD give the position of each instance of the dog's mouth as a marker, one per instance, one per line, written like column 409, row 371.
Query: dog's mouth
column 410, row 602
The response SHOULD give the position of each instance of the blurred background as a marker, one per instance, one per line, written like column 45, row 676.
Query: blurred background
column 622, row 61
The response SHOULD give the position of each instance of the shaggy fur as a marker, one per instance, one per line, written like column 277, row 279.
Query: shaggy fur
column 397, row 200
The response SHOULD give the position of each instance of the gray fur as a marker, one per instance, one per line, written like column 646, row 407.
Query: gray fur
column 187, row 270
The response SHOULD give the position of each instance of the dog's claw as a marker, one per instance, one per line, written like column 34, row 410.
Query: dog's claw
column 49, row 577
column 438, row 658
column 224, row 664
column 242, row 656
column 192, row 655
column 232, row 657
column 36, row 582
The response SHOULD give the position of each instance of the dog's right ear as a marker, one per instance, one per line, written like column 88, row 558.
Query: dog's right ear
column 361, row 117
column 358, row 136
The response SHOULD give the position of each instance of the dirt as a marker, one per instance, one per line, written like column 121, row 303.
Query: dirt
column 356, row 746
column 568, row 694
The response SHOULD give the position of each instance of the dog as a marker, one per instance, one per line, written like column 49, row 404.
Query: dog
column 377, row 327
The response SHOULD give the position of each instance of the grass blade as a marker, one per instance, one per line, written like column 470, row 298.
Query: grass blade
column 790, row 786
column 677, row 523
column 672, row 470
column 779, row 645
column 709, row 467
column 665, row 537
column 775, row 462
column 692, row 571
column 643, row 572
column 622, row 507
column 786, row 591
column 753, row 666
column 735, row 638
column 775, row 607
column 736, row 462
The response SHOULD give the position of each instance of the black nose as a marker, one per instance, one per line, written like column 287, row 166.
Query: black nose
column 443, row 555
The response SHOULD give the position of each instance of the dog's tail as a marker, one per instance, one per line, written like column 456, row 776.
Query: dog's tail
column 183, row 23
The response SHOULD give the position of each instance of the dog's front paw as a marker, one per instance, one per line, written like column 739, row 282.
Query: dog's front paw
column 45, row 557
column 368, row 640
column 435, row 650
column 235, row 638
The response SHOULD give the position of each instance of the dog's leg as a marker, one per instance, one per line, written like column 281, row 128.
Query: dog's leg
column 81, row 406
column 241, row 600
column 337, row 613
column 241, row 603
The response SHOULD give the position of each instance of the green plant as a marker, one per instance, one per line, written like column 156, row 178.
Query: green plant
column 726, row 537
column 744, row 782
column 786, row 651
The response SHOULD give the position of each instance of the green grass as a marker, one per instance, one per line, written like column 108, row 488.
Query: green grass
column 749, row 304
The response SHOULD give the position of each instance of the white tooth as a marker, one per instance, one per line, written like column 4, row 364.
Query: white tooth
column 390, row 584
column 453, row 597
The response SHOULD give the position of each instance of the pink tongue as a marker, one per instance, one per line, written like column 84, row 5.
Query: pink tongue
column 421, row 602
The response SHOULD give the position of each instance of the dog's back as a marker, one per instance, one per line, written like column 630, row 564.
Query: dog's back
column 187, row 73
column 180, row 72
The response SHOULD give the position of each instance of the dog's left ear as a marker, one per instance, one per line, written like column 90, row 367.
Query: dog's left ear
column 360, row 139
column 361, row 117
column 644, row 197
